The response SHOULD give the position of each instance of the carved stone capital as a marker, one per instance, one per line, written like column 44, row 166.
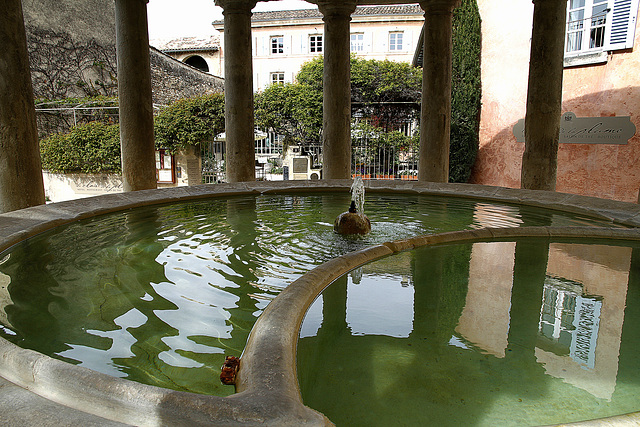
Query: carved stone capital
column 335, row 9
column 434, row 7
column 236, row 6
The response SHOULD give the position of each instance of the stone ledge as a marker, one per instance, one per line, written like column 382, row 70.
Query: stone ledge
column 268, row 393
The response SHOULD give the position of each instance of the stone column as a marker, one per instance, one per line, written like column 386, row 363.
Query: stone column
column 21, row 182
column 238, row 90
column 544, row 96
column 336, row 104
column 134, row 92
column 435, row 115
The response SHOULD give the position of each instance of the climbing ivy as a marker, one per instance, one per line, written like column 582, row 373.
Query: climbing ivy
column 62, row 66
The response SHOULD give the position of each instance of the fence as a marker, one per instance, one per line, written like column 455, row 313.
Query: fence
column 369, row 160
column 213, row 171
column 375, row 161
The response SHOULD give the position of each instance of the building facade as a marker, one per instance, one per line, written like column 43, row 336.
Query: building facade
column 284, row 40
column 600, row 80
column 200, row 53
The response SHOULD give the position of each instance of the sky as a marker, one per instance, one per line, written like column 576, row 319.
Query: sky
column 170, row 19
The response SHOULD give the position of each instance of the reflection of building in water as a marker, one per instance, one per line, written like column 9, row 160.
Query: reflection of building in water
column 591, row 362
column 581, row 313
column 569, row 321
column 491, row 215
column 485, row 318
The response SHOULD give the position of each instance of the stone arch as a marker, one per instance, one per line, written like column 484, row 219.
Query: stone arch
column 198, row 62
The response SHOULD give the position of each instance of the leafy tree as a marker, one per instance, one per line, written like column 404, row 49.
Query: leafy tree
column 388, row 93
column 190, row 121
column 293, row 110
column 88, row 148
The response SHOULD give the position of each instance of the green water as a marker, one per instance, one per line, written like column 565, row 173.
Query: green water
column 161, row 295
column 488, row 334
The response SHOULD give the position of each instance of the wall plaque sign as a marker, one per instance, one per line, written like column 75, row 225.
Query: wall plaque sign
column 588, row 130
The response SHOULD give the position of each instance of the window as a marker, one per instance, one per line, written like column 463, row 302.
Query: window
column 315, row 44
column 395, row 41
column 277, row 45
column 357, row 42
column 586, row 24
column 277, row 78
column 597, row 26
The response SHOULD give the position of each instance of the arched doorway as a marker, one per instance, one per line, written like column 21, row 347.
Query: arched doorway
column 197, row 62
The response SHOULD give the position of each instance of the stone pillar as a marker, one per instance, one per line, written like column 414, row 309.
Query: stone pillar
column 134, row 92
column 21, row 182
column 435, row 115
column 336, row 104
column 238, row 90
column 544, row 96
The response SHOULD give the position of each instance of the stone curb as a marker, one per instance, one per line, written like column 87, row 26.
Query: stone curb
column 267, row 385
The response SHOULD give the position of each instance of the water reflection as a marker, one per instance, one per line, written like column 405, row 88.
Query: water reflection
column 161, row 295
column 528, row 333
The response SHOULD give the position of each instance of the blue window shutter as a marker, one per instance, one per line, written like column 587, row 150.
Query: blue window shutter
column 623, row 18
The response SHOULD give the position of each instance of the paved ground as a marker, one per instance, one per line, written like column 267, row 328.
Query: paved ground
column 19, row 407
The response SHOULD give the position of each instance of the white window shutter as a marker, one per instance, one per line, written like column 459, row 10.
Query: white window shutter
column 408, row 41
column 260, row 42
column 622, row 18
column 287, row 40
column 367, row 41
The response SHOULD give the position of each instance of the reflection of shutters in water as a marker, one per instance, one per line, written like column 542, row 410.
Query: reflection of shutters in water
column 569, row 321
column 587, row 323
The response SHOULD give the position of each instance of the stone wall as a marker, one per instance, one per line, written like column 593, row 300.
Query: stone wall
column 60, row 187
column 172, row 79
column 73, row 54
column 83, row 19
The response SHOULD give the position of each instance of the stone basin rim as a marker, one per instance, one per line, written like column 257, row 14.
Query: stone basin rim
column 267, row 384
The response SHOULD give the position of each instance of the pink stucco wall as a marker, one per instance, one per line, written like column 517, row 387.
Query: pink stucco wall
column 611, row 89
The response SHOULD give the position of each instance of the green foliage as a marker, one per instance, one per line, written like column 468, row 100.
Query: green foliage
column 386, row 90
column 372, row 80
column 60, row 115
column 190, row 121
column 310, row 73
column 466, row 91
column 293, row 110
column 389, row 93
column 378, row 137
column 88, row 148
column 94, row 147
column 384, row 81
column 377, row 147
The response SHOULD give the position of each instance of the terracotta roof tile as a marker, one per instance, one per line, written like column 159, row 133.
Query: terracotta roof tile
column 283, row 15
column 187, row 44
